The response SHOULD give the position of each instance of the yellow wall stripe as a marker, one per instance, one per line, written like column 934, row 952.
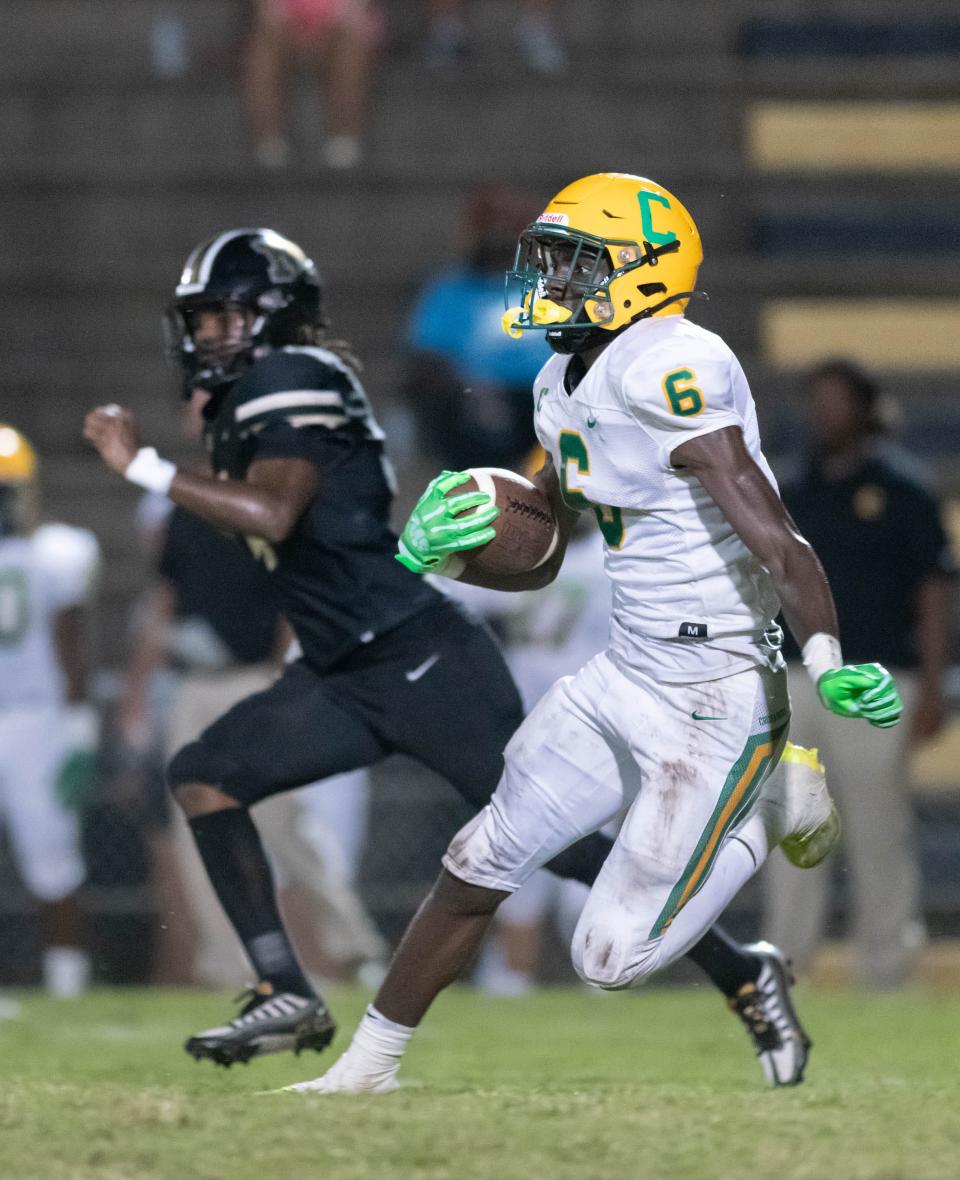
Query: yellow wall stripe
column 887, row 334
column 854, row 136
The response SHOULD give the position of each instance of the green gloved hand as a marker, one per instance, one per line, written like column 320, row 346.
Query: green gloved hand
column 435, row 531
column 861, row 690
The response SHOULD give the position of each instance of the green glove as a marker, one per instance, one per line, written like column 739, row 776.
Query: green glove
column 434, row 532
column 861, row 690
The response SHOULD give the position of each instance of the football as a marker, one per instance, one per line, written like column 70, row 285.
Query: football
column 527, row 531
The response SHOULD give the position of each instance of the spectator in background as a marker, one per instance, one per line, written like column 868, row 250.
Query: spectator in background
column 224, row 648
column 538, row 41
column 467, row 383
column 339, row 39
column 878, row 532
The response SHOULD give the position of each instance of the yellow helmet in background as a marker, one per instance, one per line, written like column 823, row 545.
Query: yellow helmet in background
column 18, row 459
column 608, row 250
column 18, row 477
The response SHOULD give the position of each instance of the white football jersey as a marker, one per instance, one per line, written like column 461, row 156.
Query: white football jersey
column 40, row 575
column 690, row 602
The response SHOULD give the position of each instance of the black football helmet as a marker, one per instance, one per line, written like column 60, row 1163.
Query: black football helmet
column 256, row 270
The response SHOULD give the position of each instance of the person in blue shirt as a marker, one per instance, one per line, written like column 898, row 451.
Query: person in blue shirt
column 468, row 384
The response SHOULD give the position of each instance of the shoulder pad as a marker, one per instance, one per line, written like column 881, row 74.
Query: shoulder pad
column 297, row 386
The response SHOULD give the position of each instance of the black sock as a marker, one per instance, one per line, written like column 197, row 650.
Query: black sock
column 230, row 848
column 725, row 961
column 582, row 861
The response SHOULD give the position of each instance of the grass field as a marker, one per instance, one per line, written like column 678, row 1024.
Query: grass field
column 659, row 1085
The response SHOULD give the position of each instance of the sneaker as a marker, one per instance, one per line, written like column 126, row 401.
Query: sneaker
column 799, row 806
column 346, row 1077
column 66, row 972
column 267, row 1023
column 768, row 1014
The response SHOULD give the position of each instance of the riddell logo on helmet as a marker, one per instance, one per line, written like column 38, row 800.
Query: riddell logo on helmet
column 554, row 218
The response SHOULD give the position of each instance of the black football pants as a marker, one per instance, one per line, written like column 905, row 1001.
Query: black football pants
column 435, row 688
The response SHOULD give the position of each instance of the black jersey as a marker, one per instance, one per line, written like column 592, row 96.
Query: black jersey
column 879, row 534
column 336, row 578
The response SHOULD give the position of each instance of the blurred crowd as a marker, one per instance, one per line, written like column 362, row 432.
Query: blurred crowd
column 341, row 44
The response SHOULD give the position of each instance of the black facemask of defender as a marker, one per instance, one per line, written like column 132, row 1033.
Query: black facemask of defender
column 212, row 361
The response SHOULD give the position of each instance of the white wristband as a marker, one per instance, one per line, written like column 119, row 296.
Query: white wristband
column 451, row 567
column 821, row 653
column 147, row 470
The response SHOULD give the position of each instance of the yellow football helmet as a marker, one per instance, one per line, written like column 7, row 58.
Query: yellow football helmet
column 608, row 250
column 18, row 476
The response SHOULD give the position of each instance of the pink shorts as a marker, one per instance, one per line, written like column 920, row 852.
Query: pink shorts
column 315, row 18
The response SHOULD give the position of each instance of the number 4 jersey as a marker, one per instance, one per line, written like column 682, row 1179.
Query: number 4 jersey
column 690, row 602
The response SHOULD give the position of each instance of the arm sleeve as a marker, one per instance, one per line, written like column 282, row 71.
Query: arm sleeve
column 675, row 398
column 281, row 440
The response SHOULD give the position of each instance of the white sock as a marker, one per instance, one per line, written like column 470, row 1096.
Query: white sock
column 66, row 971
column 378, row 1044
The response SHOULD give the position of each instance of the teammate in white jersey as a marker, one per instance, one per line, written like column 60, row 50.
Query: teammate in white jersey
column 647, row 420
column 47, row 730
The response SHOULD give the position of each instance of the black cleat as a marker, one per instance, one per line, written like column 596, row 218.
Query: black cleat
column 267, row 1023
column 767, row 1011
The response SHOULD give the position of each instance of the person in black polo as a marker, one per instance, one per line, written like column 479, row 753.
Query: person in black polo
column 878, row 531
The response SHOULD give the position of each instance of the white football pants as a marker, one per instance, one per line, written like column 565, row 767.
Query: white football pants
column 686, row 762
column 44, row 835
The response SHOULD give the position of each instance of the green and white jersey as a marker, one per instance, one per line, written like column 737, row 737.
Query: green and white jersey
column 690, row 602
column 40, row 575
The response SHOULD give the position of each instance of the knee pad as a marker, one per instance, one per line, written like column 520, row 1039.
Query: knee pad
column 479, row 855
column 604, row 957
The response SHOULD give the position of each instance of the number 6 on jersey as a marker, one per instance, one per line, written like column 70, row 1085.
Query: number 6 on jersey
column 683, row 397
column 574, row 450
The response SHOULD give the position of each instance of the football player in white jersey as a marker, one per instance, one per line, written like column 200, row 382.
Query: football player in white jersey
column 47, row 729
column 648, row 421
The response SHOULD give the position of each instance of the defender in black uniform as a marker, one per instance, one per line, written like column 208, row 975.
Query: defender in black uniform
column 389, row 664
column 388, row 661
